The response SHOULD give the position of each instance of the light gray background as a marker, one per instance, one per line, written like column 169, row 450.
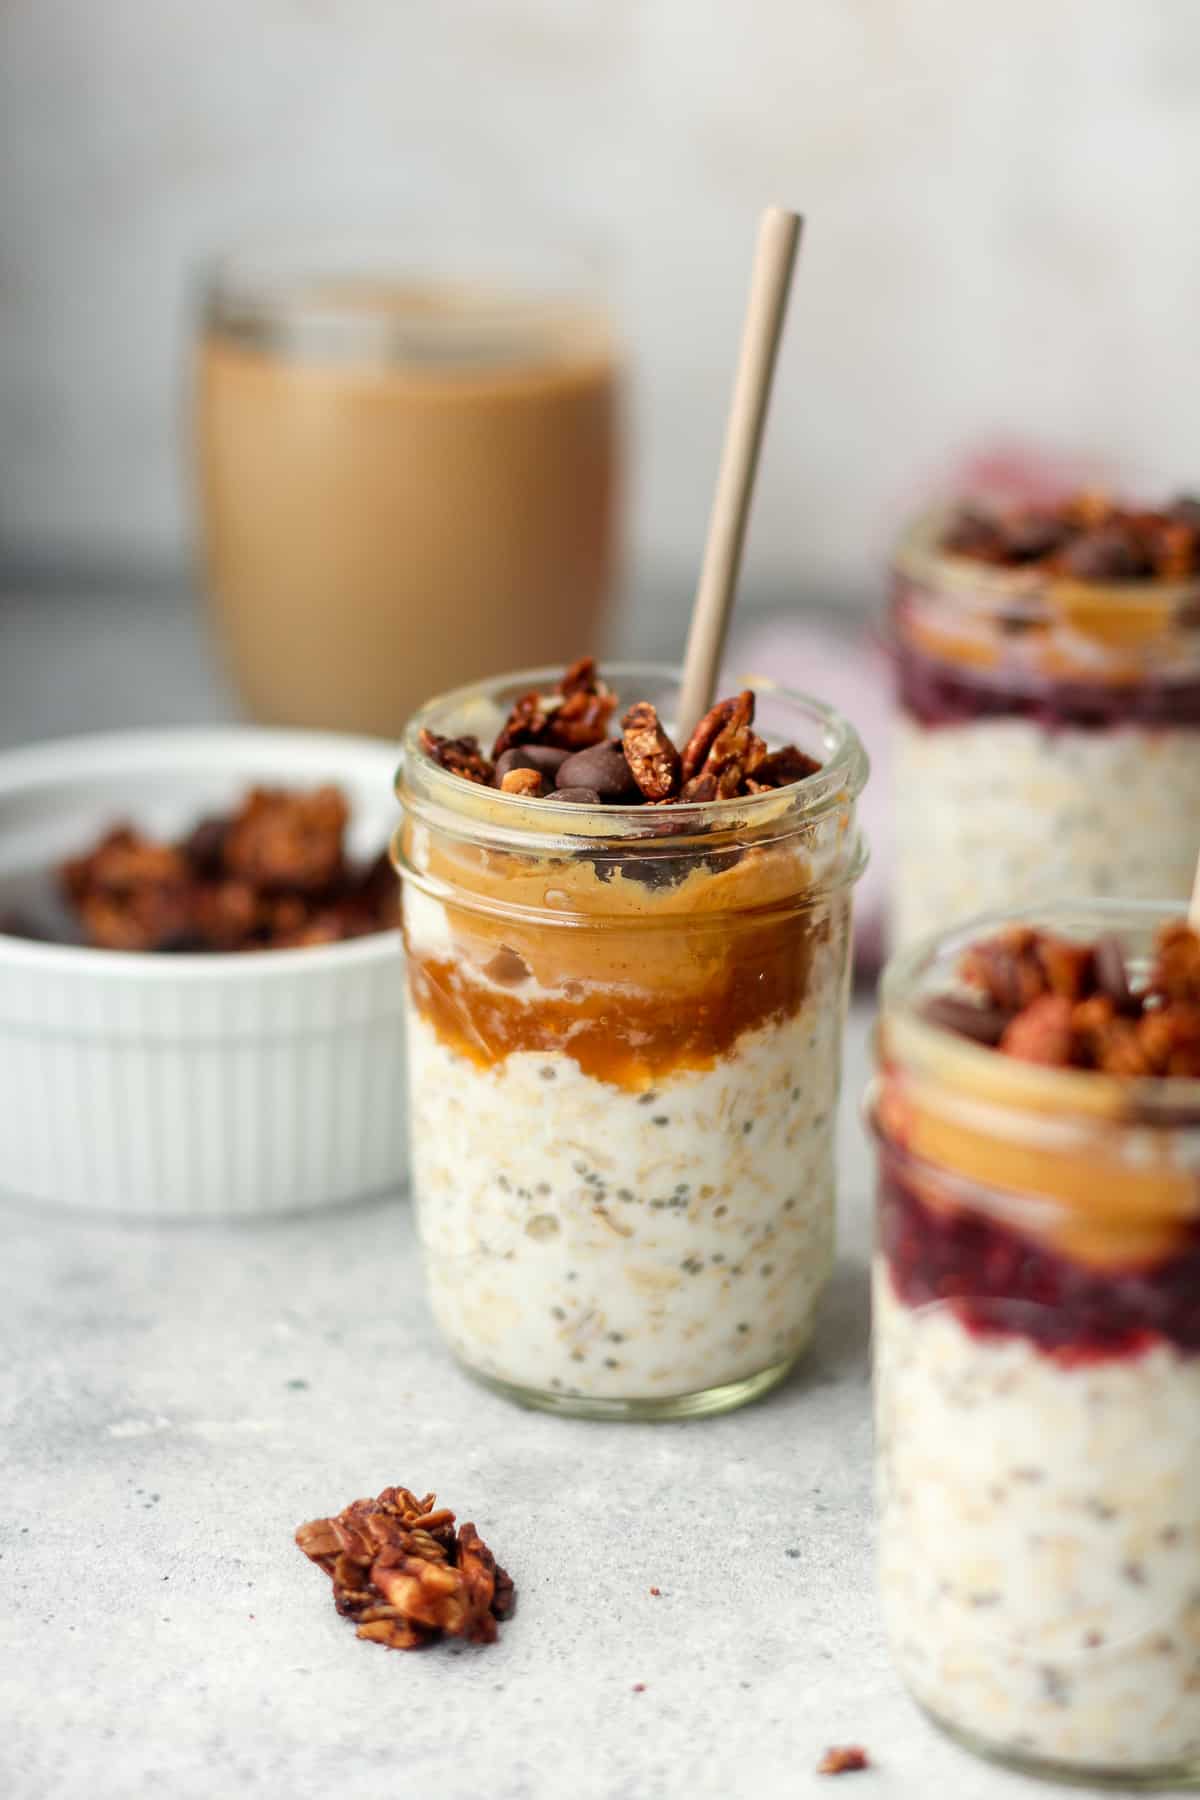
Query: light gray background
column 1002, row 237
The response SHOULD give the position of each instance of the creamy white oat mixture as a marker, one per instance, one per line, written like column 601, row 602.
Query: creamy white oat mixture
column 1040, row 1539
column 1001, row 813
column 585, row 1240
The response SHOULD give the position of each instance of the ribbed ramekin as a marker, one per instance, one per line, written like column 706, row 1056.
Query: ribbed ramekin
column 190, row 1086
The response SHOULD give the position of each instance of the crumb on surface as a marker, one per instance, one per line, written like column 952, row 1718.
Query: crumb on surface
column 843, row 1759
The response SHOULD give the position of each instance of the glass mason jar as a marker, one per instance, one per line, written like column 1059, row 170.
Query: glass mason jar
column 1048, row 736
column 1037, row 1383
column 379, row 451
column 624, row 1053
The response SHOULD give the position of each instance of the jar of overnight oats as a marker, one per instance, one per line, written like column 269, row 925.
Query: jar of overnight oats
column 1037, row 1352
column 625, row 1039
column 1047, row 669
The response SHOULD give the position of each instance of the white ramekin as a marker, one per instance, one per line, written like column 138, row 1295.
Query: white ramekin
column 189, row 1086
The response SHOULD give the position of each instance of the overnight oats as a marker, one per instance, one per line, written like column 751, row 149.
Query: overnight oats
column 1037, row 1337
column 1048, row 683
column 628, row 969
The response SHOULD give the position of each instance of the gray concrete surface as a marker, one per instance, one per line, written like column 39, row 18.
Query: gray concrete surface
column 174, row 1402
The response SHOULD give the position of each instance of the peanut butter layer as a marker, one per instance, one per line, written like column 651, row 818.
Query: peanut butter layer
column 1083, row 635
column 1038, row 623
column 1074, row 1182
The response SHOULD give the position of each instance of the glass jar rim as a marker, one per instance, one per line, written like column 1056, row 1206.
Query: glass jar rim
column 308, row 298
column 985, row 589
column 515, row 821
column 914, row 1040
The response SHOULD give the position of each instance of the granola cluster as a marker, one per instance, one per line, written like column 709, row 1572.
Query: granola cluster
column 561, row 746
column 272, row 875
column 405, row 1576
column 1068, row 1005
column 1087, row 536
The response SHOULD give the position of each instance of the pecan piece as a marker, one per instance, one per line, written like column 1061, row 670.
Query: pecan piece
column 1103, row 1039
column 571, row 719
column 1169, row 1039
column 1173, row 549
column 1020, row 964
column 461, row 755
column 1069, row 969
column 527, row 723
column 587, row 705
column 1176, row 971
column 1042, row 1032
column 652, row 757
column 581, row 677
column 723, row 759
column 699, row 744
column 404, row 1576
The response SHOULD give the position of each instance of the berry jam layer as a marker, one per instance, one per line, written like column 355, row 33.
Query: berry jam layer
column 939, row 692
column 999, row 1282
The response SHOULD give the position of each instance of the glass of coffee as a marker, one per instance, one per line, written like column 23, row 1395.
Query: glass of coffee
column 401, row 481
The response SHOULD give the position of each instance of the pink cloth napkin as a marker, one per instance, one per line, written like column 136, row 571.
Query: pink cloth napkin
column 847, row 668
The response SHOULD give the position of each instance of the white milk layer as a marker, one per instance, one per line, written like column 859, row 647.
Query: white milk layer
column 593, row 1242
column 1039, row 1549
column 1002, row 812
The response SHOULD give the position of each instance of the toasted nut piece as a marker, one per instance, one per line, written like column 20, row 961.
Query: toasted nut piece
column 653, row 759
column 461, row 755
column 1042, row 1033
column 403, row 1575
column 726, row 758
column 529, row 783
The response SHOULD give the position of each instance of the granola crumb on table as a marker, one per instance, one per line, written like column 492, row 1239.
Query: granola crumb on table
column 843, row 1759
column 404, row 1576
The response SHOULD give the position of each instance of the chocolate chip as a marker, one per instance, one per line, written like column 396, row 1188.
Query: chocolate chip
column 1109, row 553
column 600, row 766
column 1112, row 976
column 982, row 1024
column 578, row 796
column 545, row 758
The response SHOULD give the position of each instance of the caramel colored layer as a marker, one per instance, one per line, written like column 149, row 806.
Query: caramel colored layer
column 628, row 1037
column 637, row 967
